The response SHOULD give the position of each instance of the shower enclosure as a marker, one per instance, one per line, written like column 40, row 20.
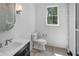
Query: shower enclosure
column 77, row 29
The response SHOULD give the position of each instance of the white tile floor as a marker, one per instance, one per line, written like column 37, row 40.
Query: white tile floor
column 50, row 51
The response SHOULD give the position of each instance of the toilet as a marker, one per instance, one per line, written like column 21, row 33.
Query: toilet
column 38, row 43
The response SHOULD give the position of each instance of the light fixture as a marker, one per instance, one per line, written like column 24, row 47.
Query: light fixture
column 19, row 8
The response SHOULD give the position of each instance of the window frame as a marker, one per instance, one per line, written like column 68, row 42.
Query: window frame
column 52, row 15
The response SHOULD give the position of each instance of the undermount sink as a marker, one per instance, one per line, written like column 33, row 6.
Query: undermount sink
column 10, row 47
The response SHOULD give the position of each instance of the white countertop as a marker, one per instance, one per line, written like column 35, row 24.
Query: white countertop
column 14, row 51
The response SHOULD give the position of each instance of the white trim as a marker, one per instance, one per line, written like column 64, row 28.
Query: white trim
column 57, row 16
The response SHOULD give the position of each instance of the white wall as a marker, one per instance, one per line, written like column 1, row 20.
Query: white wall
column 72, row 28
column 25, row 22
column 24, row 26
column 56, row 35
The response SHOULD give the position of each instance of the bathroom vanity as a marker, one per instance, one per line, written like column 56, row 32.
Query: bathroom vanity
column 25, row 51
column 19, row 47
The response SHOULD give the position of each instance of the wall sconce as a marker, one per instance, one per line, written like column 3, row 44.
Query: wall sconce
column 19, row 8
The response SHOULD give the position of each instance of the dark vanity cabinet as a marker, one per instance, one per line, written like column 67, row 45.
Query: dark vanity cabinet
column 25, row 51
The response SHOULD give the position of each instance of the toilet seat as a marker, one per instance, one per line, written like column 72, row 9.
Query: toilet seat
column 42, row 41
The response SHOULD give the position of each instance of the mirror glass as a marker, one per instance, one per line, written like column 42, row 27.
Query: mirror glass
column 7, row 16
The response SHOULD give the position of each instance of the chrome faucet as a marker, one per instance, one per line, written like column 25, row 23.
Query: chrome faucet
column 6, row 43
column 1, row 45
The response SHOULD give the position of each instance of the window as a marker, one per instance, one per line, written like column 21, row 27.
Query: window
column 52, row 16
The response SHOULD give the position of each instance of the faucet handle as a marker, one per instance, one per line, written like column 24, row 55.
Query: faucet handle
column 9, row 40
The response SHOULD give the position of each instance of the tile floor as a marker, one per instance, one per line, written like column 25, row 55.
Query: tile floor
column 50, row 51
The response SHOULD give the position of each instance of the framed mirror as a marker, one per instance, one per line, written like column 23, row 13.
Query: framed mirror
column 10, row 17
column 52, row 16
column 7, row 16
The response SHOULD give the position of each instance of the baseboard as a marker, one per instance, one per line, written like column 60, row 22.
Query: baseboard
column 55, row 47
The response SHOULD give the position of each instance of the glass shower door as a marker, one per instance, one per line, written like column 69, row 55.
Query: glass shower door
column 77, row 29
column 77, row 32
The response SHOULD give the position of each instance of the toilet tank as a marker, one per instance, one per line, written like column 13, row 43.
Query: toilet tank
column 34, row 36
